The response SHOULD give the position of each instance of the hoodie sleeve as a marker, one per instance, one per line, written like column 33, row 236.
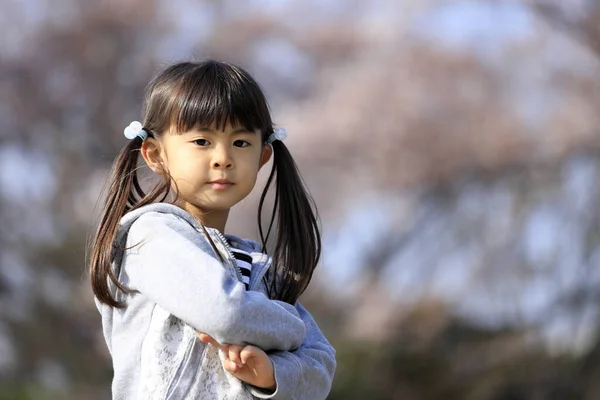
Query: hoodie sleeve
column 172, row 264
column 305, row 373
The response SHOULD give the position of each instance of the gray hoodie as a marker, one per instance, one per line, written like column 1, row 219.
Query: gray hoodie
column 180, row 287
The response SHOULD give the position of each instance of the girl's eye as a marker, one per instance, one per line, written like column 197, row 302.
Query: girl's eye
column 241, row 143
column 201, row 142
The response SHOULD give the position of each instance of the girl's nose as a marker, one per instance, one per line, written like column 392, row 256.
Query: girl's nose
column 224, row 165
column 222, row 159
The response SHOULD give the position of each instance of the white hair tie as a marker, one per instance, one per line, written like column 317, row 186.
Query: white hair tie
column 278, row 134
column 135, row 129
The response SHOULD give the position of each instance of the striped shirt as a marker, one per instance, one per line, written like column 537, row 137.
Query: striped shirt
column 244, row 261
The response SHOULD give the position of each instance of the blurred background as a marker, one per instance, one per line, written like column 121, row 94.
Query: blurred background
column 452, row 148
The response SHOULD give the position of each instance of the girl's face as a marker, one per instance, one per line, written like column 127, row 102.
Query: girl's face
column 212, row 170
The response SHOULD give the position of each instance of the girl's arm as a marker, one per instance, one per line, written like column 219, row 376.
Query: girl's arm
column 304, row 373
column 172, row 264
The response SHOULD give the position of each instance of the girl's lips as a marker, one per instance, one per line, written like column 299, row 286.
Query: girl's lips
column 220, row 184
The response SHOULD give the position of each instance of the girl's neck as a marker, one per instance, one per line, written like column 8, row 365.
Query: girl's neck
column 216, row 219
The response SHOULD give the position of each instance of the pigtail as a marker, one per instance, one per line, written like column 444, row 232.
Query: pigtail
column 298, row 245
column 124, row 193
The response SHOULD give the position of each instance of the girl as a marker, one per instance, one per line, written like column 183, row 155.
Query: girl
column 187, row 312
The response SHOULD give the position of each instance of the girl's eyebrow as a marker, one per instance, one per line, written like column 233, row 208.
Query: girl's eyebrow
column 238, row 131
column 243, row 130
column 204, row 129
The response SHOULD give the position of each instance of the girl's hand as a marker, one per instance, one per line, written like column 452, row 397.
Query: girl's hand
column 248, row 363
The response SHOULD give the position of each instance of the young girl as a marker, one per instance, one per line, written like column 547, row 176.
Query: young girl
column 188, row 312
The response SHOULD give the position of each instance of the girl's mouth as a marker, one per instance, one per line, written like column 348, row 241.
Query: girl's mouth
column 221, row 184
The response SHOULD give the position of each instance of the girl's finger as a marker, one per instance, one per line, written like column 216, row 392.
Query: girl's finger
column 230, row 366
column 209, row 339
column 247, row 353
column 205, row 338
column 234, row 354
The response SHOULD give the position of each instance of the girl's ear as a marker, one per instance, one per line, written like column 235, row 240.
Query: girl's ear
column 151, row 152
column 266, row 155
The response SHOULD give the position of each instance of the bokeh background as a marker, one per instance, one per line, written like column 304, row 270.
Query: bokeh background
column 452, row 148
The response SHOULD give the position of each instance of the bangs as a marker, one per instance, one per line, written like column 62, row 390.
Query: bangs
column 214, row 94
